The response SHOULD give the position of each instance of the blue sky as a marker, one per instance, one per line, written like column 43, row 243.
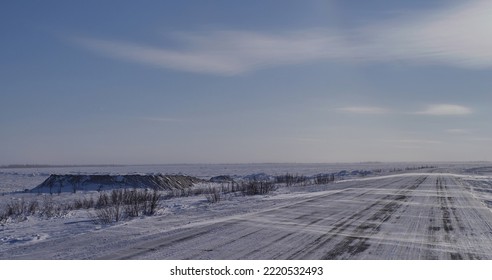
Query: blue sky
column 125, row 82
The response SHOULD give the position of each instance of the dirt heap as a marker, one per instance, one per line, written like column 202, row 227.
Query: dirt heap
column 72, row 183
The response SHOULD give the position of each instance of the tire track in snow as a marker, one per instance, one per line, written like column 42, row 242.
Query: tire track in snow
column 340, row 226
column 297, row 232
column 354, row 245
column 450, row 222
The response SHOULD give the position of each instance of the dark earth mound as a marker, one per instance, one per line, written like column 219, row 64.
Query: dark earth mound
column 73, row 183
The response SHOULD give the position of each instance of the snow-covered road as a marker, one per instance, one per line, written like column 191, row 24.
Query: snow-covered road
column 419, row 216
column 415, row 217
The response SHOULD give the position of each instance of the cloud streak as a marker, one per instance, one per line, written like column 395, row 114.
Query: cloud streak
column 456, row 36
column 225, row 52
column 445, row 110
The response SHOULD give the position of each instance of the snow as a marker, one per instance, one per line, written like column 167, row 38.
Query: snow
column 438, row 213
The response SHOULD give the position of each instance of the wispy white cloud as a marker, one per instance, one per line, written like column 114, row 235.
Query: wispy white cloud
column 445, row 110
column 226, row 52
column 457, row 35
column 364, row 110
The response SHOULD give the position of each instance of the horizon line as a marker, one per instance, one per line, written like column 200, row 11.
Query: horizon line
column 225, row 163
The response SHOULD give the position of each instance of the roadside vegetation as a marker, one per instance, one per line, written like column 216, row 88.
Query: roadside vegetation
column 122, row 204
column 20, row 210
column 106, row 207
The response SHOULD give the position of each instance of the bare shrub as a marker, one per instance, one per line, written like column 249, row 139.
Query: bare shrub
column 85, row 203
column 107, row 215
column 78, row 204
column 19, row 210
column 213, row 195
column 48, row 208
column 232, row 187
column 3, row 217
column 154, row 202
column 134, row 202
column 121, row 204
column 103, row 200
column 257, row 187
column 324, row 179
column 291, row 179
column 15, row 208
column 132, row 210
column 33, row 207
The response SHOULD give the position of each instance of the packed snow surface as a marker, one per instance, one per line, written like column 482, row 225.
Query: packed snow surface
column 435, row 213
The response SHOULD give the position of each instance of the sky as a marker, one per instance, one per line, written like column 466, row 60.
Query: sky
column 155, row 82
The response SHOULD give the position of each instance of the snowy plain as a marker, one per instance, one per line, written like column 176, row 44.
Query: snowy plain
column 441, row 212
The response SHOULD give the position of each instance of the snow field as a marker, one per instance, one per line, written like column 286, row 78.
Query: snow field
column 425, row 215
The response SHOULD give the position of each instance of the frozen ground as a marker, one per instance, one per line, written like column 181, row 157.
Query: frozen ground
column 436, row 213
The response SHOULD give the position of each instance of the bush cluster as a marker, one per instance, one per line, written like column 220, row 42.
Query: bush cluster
column 251, row 187
column 21, row 209
column 108, row 207
column 125, row 203
column 213, row 194
column 258, row 187
column 321, row 179
column 291, row 179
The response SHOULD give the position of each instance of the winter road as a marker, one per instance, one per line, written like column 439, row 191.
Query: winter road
column 407, row 217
